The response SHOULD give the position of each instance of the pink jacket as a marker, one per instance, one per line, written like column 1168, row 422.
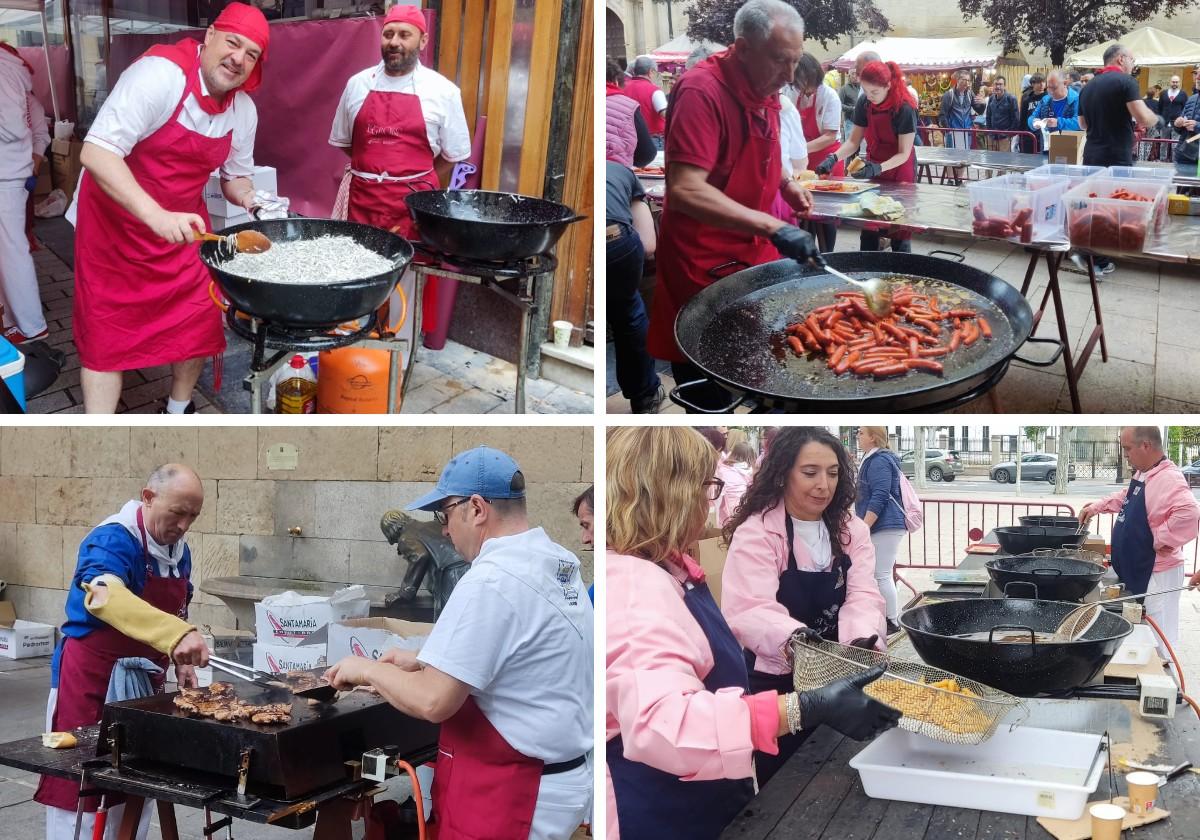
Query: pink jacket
column 656, row 660
column 736, row 482
column 620, row 131
column 1170, row 508
column 758, row 556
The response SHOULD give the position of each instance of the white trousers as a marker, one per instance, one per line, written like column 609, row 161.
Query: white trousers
column 18, row 279
column 887, row 544
column 60, row 823
column 564, row 801
column 1164, row 609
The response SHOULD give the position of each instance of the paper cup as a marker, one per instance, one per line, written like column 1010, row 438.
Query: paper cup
column 1113, row 590
column 1106, row 821
column 1143, row 790
column 562, row 333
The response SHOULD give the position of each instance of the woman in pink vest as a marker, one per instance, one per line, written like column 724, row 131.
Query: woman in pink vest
column 626, row 138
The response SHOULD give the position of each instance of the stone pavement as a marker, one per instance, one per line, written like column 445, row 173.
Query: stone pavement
column 455, row 380
column 1150, row 314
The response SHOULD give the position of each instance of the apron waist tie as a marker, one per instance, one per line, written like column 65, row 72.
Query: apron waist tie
column 380, row 177
column 563, row 766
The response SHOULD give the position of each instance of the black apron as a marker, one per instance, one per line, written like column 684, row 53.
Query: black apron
column 813, row 598
column 1133, row 541
column 655, row 805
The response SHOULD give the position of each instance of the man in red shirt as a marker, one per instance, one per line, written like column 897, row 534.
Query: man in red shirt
column 646, row 92
column 724, row 169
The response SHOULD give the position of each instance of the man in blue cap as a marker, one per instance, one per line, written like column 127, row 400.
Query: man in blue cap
column 507, row 670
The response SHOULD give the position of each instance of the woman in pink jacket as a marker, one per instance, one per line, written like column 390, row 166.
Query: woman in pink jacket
column 799, row 561
column 735, row 469
column 682, row 728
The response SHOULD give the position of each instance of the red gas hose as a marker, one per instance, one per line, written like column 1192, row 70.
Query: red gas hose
column 401, row 764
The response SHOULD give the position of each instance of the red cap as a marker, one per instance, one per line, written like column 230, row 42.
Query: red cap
column 248, row 22
column 406, row 14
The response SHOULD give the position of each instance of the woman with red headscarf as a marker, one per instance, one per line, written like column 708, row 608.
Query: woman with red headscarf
column 141, row 293
column 886, row 116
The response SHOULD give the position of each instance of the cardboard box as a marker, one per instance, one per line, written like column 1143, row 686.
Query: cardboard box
column 65, row 165
column 278, row 659
column 45, row 181
column 289, row 618
column 1067, row 147
column 710, row 554
column 370, row 637
column 264, row 178
column 23, row 639
column 237, row 645
column 204, row 676
column 217, row 222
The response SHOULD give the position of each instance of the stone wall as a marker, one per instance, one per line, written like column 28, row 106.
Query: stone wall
column 57, row 483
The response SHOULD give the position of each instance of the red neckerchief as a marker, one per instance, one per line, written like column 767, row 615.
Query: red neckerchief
column 612, row 90
column 1109, row 68
column 186, row 56
column 725, row 66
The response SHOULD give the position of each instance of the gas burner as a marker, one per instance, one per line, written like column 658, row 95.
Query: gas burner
column 514, row 269
column 290, row 338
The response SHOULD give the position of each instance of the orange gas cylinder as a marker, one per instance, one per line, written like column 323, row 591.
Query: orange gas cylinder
column 354, row 381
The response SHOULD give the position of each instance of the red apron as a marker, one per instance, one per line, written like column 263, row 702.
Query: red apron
column 808, row 121
column 483, row 789
column 688, row 249
column 389, row 140
column 86, row 667
column 140, row 301
column 882, row 143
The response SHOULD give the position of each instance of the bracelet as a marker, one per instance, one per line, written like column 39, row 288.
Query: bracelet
column 791, row 705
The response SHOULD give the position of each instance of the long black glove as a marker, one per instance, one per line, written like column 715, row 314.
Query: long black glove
column 798, row 244
column 843, row 706
column 826, row 166
column 867, row 643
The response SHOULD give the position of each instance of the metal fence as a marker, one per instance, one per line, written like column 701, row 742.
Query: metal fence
column 975, row 138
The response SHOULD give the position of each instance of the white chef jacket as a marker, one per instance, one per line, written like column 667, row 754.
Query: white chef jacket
column 791, row 135
column 829, row 109
column 441, row 106
column 16, row 133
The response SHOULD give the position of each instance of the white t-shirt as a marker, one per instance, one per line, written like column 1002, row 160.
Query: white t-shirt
column 518, row 630
column 791, row 135
column 441, row 105
column 144, row 99
column 829, row 108
column 658, row 100
column 815, row 535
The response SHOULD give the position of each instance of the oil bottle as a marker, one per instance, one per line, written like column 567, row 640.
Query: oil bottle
column 297, row 392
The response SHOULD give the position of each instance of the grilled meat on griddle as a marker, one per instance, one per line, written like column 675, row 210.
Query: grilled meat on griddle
column 303, row 680
column 219, row 702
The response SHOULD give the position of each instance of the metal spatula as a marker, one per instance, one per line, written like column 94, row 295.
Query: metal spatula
column 1079, row 620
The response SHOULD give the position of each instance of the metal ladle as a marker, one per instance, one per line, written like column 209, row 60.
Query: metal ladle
column 875, row 290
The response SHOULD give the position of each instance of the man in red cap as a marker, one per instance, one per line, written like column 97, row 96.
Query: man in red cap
column 141, row 291
column 402, row 125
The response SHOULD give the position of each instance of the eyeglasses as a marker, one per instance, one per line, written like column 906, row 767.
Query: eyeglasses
column 713, row 488
column 442, row 516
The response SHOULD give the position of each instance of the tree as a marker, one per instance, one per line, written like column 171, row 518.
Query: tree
column 824, row 20
column 1181, row 440
column 1036, row 435
column 1062, row 26
column 1066, row 443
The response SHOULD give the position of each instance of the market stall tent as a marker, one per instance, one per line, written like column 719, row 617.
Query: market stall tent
column 1151, row 47
column 916, row 55
column 679, row 48
column 37, row 7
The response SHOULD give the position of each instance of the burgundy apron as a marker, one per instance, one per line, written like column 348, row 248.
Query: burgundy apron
column 483, row 789
column 140, row 301
column 808, row 121
column 85, row 670
column 689, row 250
column 390, row 142
column 882, row 143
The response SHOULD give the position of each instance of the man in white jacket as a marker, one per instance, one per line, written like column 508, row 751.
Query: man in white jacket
column 23, row 317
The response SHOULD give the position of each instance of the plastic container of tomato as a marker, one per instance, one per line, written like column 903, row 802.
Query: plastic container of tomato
column 1019, row 207
column 1075, row 173
column 1115, row 214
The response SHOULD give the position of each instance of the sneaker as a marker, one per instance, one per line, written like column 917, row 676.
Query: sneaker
column 191, row 408
column 1108, row 268
column 649, row 405
column 893, row 627
column 15, row 336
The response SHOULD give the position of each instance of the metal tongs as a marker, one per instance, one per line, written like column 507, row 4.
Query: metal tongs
column 249, row 674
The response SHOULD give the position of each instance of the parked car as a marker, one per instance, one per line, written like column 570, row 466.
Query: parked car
column 940, row 464
column 1040, row 466
column 1192, row 473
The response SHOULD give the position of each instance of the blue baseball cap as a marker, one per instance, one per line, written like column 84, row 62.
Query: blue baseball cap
column 482, row 470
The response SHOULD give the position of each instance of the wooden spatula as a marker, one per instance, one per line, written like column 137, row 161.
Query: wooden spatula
column 244, row 241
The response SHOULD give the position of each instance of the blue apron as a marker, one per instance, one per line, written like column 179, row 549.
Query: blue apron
column 1133, row 541
column 813, row 598
column 655, row 805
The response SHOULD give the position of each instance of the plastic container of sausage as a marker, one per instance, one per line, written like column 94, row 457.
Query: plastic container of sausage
column 1098, row 221
column 1075, row 173
column 1019, row 207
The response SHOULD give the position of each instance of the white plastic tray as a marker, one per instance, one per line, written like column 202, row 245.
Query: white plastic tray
column 1137, row 647
column 1035, row 772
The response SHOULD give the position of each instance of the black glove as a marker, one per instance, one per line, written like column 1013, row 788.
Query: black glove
column 809, row 635
column 843, row 706
column 869, row 170
column 826, row 166
column 795, row 243
column 867, row 643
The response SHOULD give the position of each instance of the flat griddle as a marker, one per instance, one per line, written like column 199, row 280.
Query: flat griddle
column 287, row 761
column 733, row 330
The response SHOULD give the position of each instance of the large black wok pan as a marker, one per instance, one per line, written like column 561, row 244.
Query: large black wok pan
column 1071, row 522
column 492, row 226
column 1045, row 577
column 733, row 331
column 311, row 304
column 1020, row 668
column 1025, row 539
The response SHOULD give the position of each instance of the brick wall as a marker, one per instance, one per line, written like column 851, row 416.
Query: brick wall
column 58, row 483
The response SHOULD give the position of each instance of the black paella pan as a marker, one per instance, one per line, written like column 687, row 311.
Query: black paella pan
column 489, row 226
column 733, row 331
column 1045, row 576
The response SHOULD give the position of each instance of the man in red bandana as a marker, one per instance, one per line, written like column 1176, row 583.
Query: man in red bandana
column 141, row 292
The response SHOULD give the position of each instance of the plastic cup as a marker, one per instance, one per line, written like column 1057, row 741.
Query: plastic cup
column 1143, row 791
column 562, row 333
column 1106, row 821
